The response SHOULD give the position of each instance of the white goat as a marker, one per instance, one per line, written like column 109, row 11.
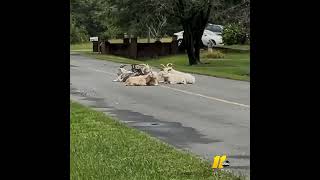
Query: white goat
column 190, row 79
column 172, row 78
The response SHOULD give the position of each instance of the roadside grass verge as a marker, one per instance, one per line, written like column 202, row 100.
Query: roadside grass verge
column 81, row 47
column 233, row 66
column 238, row 46
column 103, row 148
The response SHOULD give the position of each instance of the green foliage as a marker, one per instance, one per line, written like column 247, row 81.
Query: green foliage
column 234, row 34
column 78, row 33
column 232, row 11
column 111, row 18
column 92, row 18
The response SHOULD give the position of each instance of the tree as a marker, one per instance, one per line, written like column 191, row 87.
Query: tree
column 94, row 17
column 194, row 22
column 112, row 18
column 141, row 17
column 77, row 32
column 193, row 15
column 108, row 18
column 233, row 12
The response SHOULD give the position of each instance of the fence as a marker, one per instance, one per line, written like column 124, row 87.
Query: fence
column 132, row 49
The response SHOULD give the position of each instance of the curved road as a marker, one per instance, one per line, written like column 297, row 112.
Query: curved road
column 208, row 118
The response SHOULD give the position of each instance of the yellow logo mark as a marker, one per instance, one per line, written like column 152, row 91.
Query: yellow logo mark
column 218, row 162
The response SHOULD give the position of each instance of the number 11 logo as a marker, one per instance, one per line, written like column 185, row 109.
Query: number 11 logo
column 218, row 162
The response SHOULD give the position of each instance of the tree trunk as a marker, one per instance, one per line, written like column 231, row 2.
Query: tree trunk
column 197, row 46
column 193, row 27
column 189, row 43
column 192, row 42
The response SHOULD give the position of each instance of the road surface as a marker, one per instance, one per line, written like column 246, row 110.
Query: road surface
column 208, row 118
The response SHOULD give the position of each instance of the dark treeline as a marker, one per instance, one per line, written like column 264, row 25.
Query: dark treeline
column 143, row 18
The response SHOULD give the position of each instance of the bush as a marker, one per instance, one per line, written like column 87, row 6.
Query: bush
column 111, row 33
column 214, row 54
column 234, row 34
column 78, row 34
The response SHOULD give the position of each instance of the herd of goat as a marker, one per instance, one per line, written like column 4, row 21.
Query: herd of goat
column 143, row 75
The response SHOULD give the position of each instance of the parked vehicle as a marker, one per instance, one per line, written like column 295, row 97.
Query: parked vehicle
column 215, row 28
column 212, row 36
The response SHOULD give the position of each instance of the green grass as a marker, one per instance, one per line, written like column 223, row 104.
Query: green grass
column 81, row 47
column 232, row 66
column 102, row 148
column 238, row 46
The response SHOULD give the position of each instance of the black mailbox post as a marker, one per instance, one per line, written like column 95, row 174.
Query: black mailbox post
column 95, row 44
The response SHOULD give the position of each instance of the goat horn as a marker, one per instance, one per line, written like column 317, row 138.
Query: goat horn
column 142, row 64
column 169, row 65
column 163, row 66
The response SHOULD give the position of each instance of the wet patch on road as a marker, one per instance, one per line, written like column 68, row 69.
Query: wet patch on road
column 173, row 133
column 239, row 156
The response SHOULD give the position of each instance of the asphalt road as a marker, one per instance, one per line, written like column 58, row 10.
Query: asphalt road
column 208, row 118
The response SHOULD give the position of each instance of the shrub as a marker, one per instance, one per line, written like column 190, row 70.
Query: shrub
column 78, row 34
column 214, row 54
column 112, row 33
column 234, row 34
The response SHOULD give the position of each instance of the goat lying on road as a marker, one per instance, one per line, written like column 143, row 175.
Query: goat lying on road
column 145, row 69
column 169, row 69
column 122, row 74
column 142, row 75
column 172, row 78
column 136, row 70
column 142, row 80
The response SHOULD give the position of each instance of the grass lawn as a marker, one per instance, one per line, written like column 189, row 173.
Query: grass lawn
column 102, row 148
column 232, row 66
column 81, row 47
column 239, row 46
